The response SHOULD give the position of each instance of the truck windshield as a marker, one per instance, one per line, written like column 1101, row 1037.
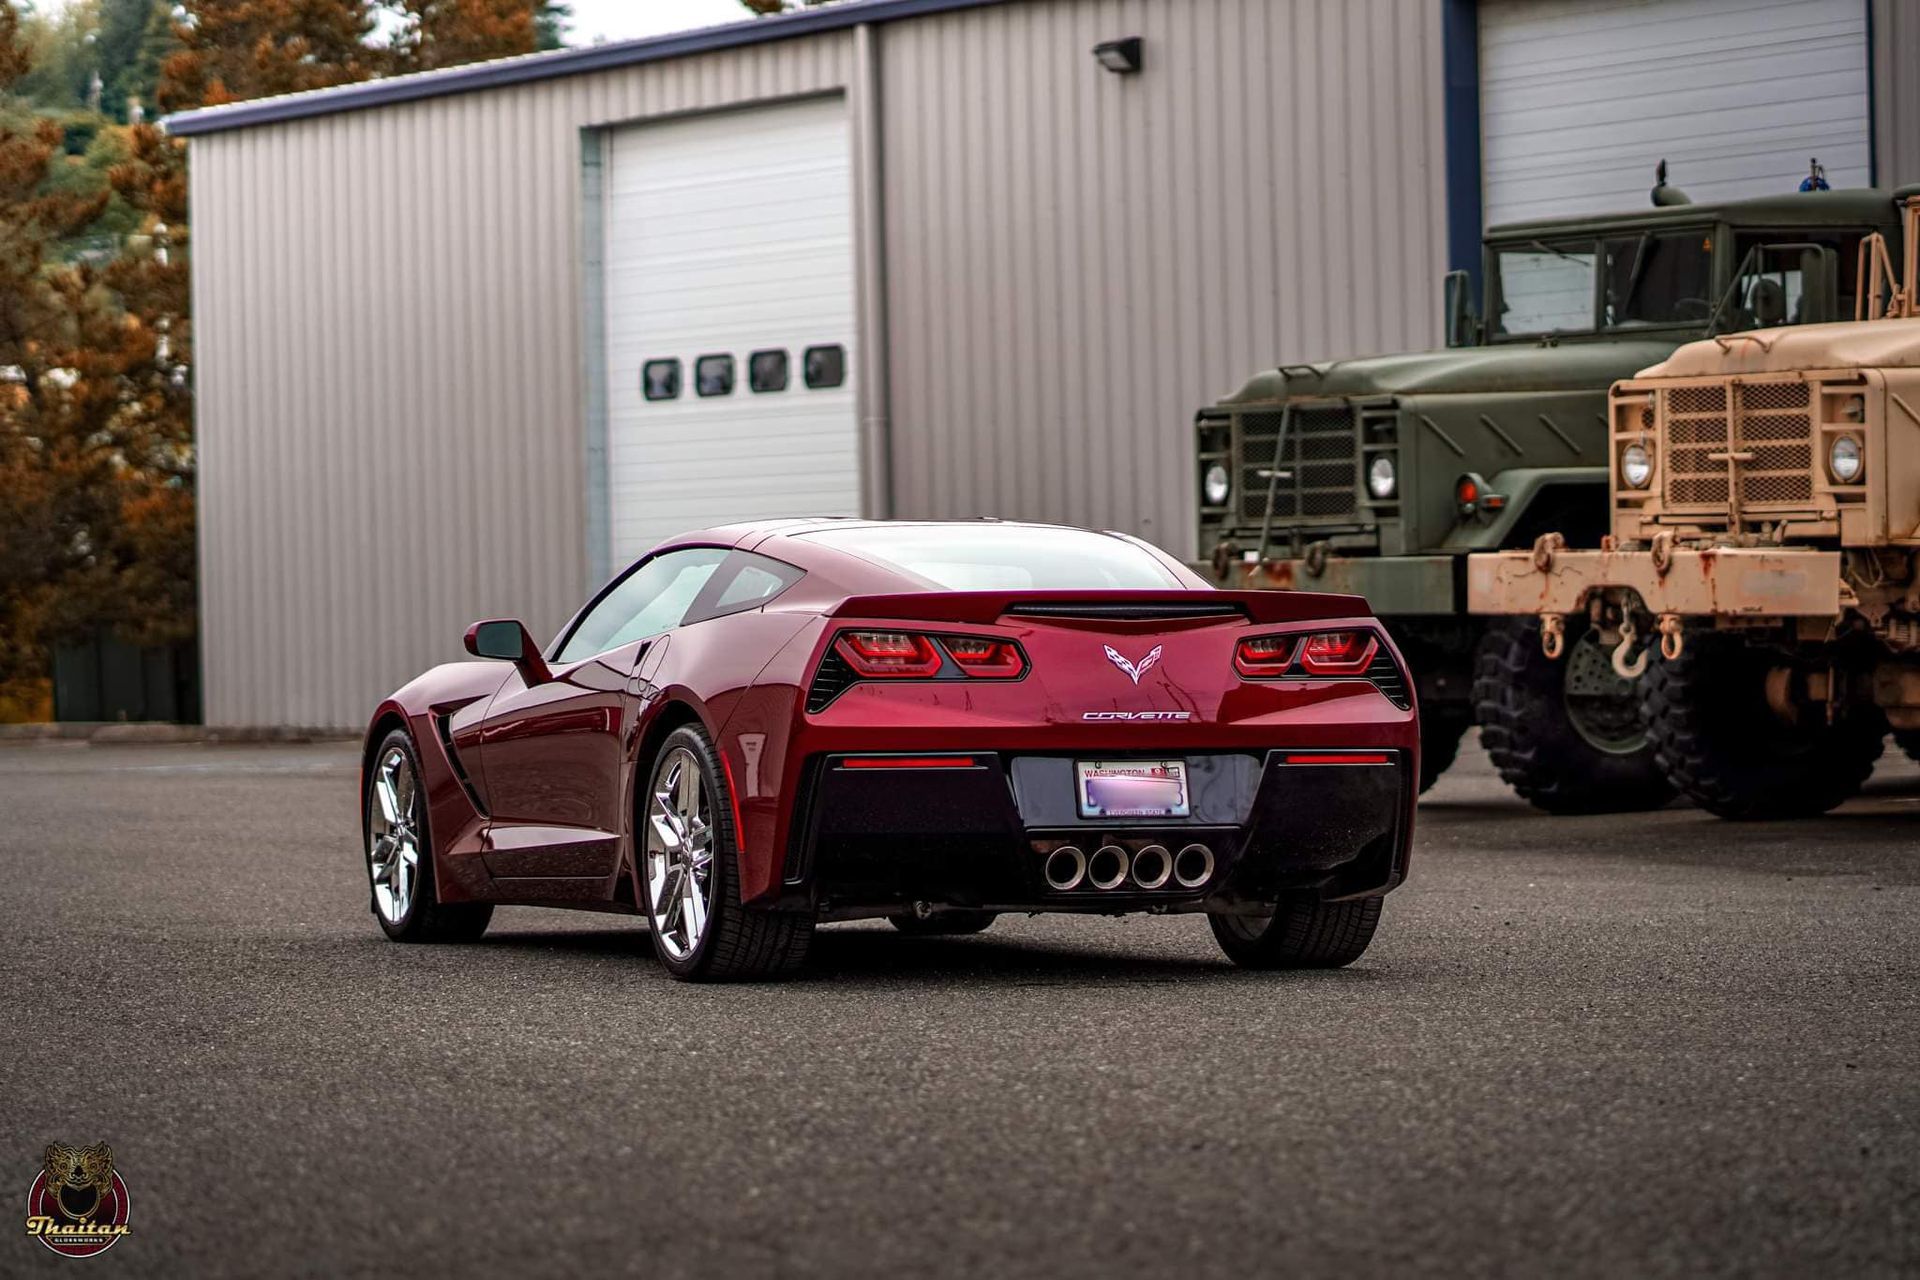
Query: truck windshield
column 1643, row 279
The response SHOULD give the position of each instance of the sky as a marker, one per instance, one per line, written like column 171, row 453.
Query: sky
column 628, row 19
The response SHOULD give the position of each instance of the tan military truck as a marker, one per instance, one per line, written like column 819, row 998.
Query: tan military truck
column 1762, row 579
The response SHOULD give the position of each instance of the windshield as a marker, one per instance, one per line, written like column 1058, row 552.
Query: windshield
column 991, row 557
column 1612, row 283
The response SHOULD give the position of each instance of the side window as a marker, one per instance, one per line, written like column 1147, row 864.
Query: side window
column 825, row 366
column 755, row 581
column 713, row 375
column 660, row 380
column 767, row 371
column 651, row 599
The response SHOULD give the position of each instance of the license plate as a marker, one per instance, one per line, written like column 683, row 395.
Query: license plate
column 1132, row 788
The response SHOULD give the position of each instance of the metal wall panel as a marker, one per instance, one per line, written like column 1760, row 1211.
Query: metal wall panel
column 1078, row 260
column 391, row 380
column 1896, row 91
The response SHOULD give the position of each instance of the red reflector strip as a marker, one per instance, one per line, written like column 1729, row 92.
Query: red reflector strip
column 1344, row 757
column 908, row 762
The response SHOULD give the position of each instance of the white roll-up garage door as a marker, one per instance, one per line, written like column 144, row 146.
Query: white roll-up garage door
column 729, row 237
column 1579, row 99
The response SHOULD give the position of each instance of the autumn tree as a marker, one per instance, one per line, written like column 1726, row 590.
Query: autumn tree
column 232, row 50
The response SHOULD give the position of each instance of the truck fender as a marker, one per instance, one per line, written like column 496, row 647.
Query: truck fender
column 1526, row 489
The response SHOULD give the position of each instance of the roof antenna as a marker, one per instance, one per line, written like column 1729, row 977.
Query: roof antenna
column 1816, row 179
column 1664, row 195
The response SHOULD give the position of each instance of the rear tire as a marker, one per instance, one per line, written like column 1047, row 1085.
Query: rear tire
column 1584, row 753
column 1909, row 742
column 399, row 847
column 1731, row 754
column 685, row 836
column 943, row 923
column 1300, row 934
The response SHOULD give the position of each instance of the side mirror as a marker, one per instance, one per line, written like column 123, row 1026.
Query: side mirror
column 1462, row 329
column 507, row 640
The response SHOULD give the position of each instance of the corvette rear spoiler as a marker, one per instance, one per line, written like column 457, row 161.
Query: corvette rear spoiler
column 1265, row 607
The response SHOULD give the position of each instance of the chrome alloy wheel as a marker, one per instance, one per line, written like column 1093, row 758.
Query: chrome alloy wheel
column 679, row 854
column 393, row 836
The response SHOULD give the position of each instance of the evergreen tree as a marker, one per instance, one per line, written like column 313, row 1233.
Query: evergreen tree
column 232, row 50
column 550, row 25
column 451, row 33
column 121, row 51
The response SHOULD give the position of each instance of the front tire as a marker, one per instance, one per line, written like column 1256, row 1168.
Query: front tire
column 943, row 923
column 1732, row 754
column 1566, row 734
column 399, row 849
column 689, row 857
column 1300, row 934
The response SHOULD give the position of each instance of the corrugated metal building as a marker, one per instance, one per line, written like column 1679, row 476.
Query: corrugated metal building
column 468, row 340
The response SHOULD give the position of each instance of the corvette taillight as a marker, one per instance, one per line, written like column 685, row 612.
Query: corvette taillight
column 1264, row 656
column 1323, row 653
column 984, row 658
column 1338, row 653
column 880, row 655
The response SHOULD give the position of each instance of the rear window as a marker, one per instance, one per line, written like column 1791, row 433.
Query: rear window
column 988, row 557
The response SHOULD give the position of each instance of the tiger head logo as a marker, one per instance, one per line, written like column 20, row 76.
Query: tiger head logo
column 79, row 1179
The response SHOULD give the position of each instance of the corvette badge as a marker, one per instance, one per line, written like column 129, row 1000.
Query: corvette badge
column 1134, row 670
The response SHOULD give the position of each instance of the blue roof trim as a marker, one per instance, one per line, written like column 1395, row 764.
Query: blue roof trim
column 552, row 66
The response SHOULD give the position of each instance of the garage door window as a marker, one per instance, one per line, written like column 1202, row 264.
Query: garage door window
column 660, row 380
column 767, row 371
column 826, row 367
column 713, row 376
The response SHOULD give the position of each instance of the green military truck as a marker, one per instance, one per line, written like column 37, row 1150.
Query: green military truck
column 1379, row 476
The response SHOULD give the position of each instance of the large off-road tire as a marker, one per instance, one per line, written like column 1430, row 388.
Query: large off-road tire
column 1731, row 753
column 943, row 923
column 1909, row 742
column 689, row 874
column 399, row 847
column 1565, row 733
column 1440, row 734
column 1302, row 933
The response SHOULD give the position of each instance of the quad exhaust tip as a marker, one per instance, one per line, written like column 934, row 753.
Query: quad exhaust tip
column 1152, row 867
column 1193, row 866
column 1066, row 867
column 1107, row 868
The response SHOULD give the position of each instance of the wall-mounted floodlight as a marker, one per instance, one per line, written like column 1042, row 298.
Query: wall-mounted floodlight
column 1122, row 57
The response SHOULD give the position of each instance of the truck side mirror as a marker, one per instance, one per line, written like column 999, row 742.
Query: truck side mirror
column 1463, row 329
column 1819, row 286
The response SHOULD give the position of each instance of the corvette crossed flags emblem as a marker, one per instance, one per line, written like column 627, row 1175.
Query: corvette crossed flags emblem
column 1134, row 670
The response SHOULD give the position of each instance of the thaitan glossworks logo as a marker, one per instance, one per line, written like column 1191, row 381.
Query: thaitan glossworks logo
column 77, row 1205
column 1134, row 670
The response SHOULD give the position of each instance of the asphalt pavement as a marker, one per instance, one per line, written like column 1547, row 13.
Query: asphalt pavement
column 1647, row 1045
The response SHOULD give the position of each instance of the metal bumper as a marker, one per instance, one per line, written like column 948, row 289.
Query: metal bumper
column 1758, row 582
column 1395, row 586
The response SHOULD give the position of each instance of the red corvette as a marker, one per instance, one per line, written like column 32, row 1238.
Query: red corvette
column 760, row 727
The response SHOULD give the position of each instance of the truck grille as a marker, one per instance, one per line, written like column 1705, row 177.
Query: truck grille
column 1319, row 467
column 1772, row 421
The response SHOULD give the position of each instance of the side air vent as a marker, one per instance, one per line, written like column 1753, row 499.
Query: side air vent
column 1127, row 612
column 1387, row 678
column 833, row 678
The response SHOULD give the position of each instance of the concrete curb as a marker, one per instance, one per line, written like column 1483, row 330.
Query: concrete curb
column 137, row 733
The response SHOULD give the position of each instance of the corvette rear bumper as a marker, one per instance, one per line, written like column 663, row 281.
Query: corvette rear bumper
column 983, row 834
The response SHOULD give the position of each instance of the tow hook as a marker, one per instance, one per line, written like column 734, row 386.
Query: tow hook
column 1544, row 549
column 1553, row 635
column 1673, row 641
column 1625, row 664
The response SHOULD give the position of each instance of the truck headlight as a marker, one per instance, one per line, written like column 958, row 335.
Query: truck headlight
column 1217, row 486
column 1845, row 461
column 1636, row 466
column 1382, row 481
